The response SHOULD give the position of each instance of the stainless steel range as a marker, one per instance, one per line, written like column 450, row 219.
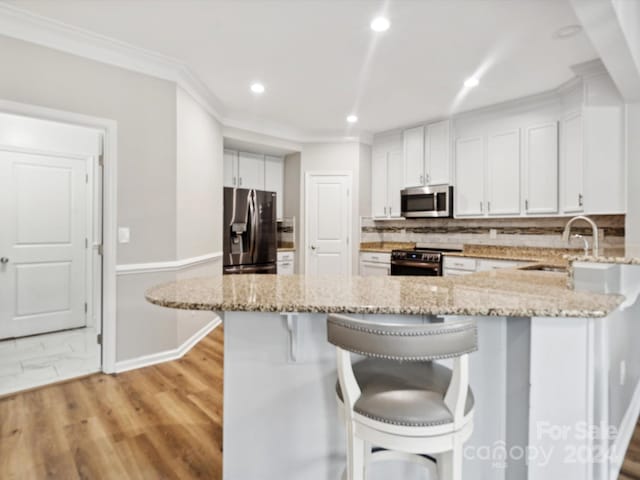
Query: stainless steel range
column 419, row 261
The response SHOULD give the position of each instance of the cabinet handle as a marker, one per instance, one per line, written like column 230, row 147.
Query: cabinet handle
column 428, row 178
column 481, row 207
column 526, row 205
column 488, row 206
column 234, row 181
column 240, row 181
column 422, row 179
column 580, row 199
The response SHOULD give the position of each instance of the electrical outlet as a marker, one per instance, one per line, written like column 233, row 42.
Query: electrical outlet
column 124, row 235
column 493, row 233
column 623, row 372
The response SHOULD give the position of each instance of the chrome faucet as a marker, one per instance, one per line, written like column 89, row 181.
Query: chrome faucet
column 594, row 230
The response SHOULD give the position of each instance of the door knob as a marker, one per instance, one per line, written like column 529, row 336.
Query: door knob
column 313, row 247
column 4, row 260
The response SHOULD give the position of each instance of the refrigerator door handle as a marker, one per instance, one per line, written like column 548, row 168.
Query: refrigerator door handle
column 254, row 226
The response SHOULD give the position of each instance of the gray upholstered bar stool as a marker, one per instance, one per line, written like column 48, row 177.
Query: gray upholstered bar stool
column 397, row 398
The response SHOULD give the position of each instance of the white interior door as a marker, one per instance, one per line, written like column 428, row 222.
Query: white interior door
column 328, row 224
column 43, row 207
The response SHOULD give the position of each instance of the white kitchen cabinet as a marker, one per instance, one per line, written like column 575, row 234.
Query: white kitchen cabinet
column 375, row 264
column 427, row 155
column 469, row 190
column 413, row 140
column 456, row 265
column 230, row 168
column 541, row 169
column 437, row 154
column 604, row 189
column 386, row 182
column 274, row 179
column 251, row 170
column 286, row 263
column 503, row 173
column 485, row 265
column 572, row 163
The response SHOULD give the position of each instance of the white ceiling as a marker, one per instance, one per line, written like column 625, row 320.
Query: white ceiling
column 320, row 61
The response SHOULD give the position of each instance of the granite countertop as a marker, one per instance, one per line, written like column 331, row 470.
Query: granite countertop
column 385, row 247
column 548, row 256
column 605, row 258
column 496, row 293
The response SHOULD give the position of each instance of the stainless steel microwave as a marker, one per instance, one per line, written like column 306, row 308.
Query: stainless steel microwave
column 427, row 202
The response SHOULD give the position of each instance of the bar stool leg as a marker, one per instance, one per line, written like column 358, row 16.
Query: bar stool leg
column 355, row 456
column 450, row 464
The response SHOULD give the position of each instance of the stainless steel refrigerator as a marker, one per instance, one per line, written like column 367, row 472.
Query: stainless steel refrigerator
column 249, row 242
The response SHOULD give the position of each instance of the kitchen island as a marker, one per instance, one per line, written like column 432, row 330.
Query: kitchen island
column 540, row 376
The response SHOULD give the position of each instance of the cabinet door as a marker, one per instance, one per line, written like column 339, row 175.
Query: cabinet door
column 379, row 204
column 437, row 154
column 230, row 169
column 503, row 173
column 251, row 171
column 285, row 268
column 571, row 159
column 374, row 269
column 541, row 169
column 394, row 181
column 469, row 176
column 414, row 157
column 274, row 179
column 604, row 190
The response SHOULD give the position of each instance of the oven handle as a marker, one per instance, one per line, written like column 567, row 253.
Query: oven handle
column 409, row 263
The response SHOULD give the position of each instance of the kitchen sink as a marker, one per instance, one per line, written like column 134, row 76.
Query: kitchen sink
column 545, row 268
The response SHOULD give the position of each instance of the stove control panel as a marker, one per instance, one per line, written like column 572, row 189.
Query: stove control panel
column 416, row 256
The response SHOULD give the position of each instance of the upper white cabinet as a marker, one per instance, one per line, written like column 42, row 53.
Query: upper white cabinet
column 438, row 153
column 230, row 168
column 427, row 155
column 604, row 167
column 503, row 173
column 572, row 162
column 251, row 170
column 541, row 169
column 386, row 177
column 273, row 180
column 469, row 190
column 414, row 156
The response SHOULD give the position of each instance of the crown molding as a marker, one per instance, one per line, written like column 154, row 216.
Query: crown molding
column 27, row 26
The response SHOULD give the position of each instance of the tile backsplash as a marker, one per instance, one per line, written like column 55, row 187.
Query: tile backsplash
column 526, row 232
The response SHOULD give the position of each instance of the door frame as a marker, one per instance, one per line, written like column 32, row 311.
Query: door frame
column 109, row 129
column 307, row 180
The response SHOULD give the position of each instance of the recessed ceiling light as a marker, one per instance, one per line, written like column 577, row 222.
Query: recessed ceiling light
column 567, row 31
column 257, row 88
column 471, row 82
column 380, row 24
column 352, row 118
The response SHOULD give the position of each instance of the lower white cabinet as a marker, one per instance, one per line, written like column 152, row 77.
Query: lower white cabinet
column 456, row 266
column 375, row 264
column 286, row 263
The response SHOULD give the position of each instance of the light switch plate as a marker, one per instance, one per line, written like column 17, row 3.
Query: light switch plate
column 124, row 235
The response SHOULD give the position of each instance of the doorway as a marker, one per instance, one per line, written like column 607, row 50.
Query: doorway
column 328, row 223
column 50, row 264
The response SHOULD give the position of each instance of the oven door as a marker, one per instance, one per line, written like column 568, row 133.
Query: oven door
column 420, row 202
column 409, row 267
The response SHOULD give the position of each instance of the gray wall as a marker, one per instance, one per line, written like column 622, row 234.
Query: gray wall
column 292, row 201
column 169, row 174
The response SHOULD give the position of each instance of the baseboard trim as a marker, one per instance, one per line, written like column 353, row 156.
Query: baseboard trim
column 168, row 355
column 625, row 432
column 169, row 266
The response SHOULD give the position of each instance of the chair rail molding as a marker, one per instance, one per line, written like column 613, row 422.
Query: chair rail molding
column 167, row 266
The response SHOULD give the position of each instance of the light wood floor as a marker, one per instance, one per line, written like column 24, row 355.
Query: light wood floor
column 631, row 466
column 160, row 422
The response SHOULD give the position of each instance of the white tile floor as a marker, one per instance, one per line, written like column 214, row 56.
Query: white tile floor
column 35, row 361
